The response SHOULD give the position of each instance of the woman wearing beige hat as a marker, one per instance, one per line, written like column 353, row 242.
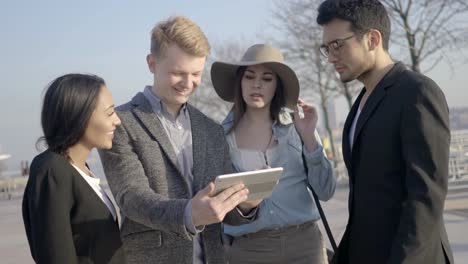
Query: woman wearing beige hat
column 283, row 227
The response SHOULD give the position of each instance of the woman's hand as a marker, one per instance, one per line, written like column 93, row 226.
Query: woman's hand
column 306, row 126
column 247, row 206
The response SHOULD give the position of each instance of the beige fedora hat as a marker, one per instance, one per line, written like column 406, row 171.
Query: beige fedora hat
column 223, row 74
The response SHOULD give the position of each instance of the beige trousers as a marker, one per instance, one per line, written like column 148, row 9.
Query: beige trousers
column 293, row 245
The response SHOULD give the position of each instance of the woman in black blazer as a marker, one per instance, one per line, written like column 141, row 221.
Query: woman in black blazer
column 67, row 216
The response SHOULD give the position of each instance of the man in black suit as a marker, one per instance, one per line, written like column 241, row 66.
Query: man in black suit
column 395, row 143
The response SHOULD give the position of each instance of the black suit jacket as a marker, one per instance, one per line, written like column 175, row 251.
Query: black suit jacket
column 65, row 220
column 398, row 169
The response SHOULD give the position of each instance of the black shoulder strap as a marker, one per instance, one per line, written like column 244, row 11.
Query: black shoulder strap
column 319, row 207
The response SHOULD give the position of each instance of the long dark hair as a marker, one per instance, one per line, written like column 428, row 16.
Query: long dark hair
column 239, row 106
column 67, row 107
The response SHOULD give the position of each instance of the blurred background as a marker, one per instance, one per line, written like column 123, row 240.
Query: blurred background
column 41, row 40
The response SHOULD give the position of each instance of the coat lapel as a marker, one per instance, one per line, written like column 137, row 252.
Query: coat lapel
column 372, row 102
column 144, row 112
column 199, row 138
column 376, row 97
column 347, row 127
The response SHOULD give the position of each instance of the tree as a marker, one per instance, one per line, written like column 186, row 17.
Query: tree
column 348, row 90
column 429, row 29
column 205, row 98
column 300, row 42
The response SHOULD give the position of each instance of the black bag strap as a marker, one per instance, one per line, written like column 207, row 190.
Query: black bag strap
column 319, row 206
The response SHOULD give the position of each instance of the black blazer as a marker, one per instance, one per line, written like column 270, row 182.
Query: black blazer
column 398, row 169
column 65, row 220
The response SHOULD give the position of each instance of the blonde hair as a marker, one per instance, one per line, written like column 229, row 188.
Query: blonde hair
column 181, row 31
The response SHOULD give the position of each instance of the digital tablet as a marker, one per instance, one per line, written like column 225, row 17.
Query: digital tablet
column 259, row 182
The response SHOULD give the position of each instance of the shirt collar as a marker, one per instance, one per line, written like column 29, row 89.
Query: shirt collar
column 157, row 104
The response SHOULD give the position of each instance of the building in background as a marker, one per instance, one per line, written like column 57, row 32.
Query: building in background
column 3, row 157
column 458, row 163
column 459, row 118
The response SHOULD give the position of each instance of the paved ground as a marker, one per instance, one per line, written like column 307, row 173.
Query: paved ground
column 14, row 248
column 456, row 220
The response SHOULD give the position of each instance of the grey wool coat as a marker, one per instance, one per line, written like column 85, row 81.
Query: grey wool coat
column 141, row 169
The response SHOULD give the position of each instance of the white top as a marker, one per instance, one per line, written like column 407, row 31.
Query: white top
column 249, row 160
column 353, row 128
column 95, row 184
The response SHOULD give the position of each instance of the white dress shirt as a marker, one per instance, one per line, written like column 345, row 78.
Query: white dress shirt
column 95, row 184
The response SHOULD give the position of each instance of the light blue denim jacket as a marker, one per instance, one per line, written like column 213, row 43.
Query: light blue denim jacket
column 291, row 202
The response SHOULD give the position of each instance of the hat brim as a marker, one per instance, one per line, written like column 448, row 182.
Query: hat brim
column 223, row 76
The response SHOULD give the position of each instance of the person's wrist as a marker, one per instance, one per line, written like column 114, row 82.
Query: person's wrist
column 311, row 144
column 245, row 208
column 195, row 217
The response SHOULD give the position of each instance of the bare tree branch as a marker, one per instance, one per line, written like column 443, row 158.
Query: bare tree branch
column 205, row 98
column 296, row 20
column 428, row 28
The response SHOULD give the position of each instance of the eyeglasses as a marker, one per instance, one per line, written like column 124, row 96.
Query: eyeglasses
column 333, row 47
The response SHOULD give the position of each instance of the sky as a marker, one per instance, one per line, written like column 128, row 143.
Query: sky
column 41, row 40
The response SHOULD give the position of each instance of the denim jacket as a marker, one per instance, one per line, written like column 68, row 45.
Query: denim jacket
column 291, row 202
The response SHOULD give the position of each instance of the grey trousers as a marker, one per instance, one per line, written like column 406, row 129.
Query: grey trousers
column 293, row 245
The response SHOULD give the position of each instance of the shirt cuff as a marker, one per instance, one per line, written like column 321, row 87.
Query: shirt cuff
column 250, row 216
column 314, row 157
column 191, row 228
